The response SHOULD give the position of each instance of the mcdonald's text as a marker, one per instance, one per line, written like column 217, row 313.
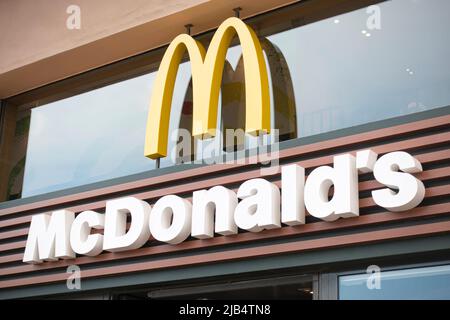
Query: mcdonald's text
column 327, row 193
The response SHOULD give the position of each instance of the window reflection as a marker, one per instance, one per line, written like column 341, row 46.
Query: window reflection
column 343, row 78
column 90, row 137
column 232, row 103
column 406, row 284
column 15, row 129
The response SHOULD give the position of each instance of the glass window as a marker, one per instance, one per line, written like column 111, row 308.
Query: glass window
column 94, row 136
column 326, row 72
column 407, row 284
column 384, row 61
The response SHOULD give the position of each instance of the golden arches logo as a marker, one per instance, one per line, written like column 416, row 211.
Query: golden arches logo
column 207, row 68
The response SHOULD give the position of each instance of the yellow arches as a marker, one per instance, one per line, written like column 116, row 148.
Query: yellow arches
column 207, row 68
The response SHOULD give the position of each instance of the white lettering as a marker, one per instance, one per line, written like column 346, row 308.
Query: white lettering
column 408, row 190
column 170, row 220
column 218, row 200
column 260, row 206
column 292, row 199
column 49, row 237
column 116, row 237
column 81, row 239
column 344, row 178
column 329, row 193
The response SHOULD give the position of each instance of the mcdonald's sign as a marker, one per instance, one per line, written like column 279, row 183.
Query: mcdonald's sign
column 172, row 219
column 207, row 68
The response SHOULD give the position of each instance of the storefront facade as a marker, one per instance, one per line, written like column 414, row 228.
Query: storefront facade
column 357, row 81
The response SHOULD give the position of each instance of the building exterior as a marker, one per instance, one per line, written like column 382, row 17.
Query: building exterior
column 355, row 92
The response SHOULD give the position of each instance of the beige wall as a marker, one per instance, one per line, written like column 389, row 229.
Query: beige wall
column 37, row 48
column 34, row 30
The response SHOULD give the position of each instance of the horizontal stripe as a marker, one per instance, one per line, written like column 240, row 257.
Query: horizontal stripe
column 363, row 203
column 425, row 176
column 269, row 250
column 236, row 178
column 372, row 136
column 288, row 231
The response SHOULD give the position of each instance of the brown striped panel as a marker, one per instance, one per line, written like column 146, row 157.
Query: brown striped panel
column 372, row 219
column 368, row 137
column 256, row 173
column 428, row 140
column 363, row 203
column 269, row 250
column 363, row 186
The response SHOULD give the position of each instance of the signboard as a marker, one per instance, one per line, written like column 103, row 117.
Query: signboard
column 258, row 204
